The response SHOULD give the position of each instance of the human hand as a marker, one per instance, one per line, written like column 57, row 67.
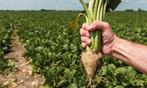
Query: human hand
column 107, row 35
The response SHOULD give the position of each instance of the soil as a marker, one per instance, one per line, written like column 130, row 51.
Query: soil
column 22, row 77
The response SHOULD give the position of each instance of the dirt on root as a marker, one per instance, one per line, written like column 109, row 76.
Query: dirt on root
column 91, row 62
column 23, row 76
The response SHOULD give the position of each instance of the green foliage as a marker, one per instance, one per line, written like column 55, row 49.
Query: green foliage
column 55, row 52
column 5, row 65
column 129, row 10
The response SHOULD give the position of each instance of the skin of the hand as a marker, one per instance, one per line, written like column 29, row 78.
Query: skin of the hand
column 126, row 51
column 107, row 35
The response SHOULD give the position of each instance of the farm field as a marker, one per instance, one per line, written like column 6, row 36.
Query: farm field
column 54, row 51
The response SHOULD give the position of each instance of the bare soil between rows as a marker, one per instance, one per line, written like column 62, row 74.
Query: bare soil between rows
column 22, row 77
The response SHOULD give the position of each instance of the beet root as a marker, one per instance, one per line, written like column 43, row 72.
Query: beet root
column 90, row 61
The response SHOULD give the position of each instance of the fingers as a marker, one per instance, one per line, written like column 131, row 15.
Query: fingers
column 84, row 45
column 85, row 35
column 86, row 29
column 84, row 32
column 85, row 26
column 98, row 25
column 85, row 41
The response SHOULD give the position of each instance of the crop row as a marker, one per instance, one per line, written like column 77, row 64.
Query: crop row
column 55, row 51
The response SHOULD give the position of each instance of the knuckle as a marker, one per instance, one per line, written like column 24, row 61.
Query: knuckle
column 106, row 25
column 95, row 22
column 84, row 25
column 83, row 39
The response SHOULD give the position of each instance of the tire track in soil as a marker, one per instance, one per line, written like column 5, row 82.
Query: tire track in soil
column 23, row 76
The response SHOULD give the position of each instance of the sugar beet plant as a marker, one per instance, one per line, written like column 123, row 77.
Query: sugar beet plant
column 56, row 57
column 95, row 11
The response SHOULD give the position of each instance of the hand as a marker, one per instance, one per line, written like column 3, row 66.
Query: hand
column 107, row 35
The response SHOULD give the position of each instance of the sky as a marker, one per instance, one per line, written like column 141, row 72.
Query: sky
column 62, row 4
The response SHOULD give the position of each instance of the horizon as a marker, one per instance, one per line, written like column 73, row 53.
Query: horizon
column 63, row 5
column 61, row 10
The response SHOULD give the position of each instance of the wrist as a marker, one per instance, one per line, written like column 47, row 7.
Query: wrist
column 116, row 42
column 119, row 49
column 109, row 45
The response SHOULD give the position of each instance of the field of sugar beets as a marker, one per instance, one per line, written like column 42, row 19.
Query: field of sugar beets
column 54, row 51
